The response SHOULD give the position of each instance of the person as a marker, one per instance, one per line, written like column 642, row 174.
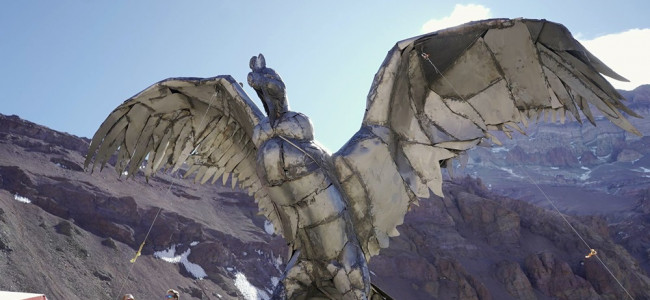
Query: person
column 128, row 297
column 172, row 294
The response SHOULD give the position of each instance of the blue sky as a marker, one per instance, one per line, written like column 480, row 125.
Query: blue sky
column 68, row 64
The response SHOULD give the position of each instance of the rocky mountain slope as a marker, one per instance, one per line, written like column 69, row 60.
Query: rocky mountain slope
column 70, row 234
column 583, row 170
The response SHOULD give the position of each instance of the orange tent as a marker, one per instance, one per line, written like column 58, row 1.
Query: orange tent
column 21, row 296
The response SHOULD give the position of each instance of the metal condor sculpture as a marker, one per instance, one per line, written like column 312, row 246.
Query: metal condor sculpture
column 434, row 97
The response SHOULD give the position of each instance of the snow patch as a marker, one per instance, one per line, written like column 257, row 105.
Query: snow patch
column 277, row 262
column 249, row 291
column 511, row 172
column 499, row 149
column 274, row 281
column 22, row 199
column 586, row 175
column 170, row 256
column 194, row 243
column 644, row 170
column 268, row 227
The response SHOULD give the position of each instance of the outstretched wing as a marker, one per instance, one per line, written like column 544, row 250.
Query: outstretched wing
column 206, row 123
column 442, row 93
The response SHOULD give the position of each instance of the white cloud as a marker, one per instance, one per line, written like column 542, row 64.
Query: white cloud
column 626, row 53
column 461, row 14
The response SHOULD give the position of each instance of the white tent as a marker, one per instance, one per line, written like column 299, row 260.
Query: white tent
column 21, row 296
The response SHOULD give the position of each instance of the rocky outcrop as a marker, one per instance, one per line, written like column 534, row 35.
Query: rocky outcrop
column 638, row 99
column 632, row 232
column 41, row 139
column 556, row 157
column 514, row 279
column 555, row 278
column 628, row 155
column 523, row 246
column 588, row 158
column 407, row 276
